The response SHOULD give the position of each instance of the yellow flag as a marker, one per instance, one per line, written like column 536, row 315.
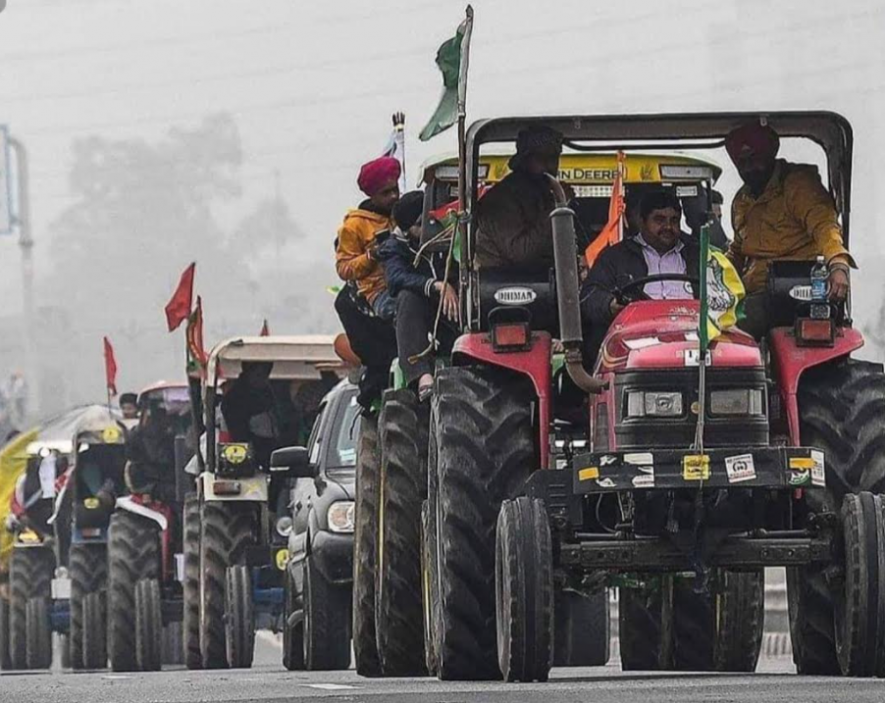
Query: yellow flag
column 725, row 294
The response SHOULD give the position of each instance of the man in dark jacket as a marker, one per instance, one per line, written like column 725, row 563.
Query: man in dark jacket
column 659, row 248
column 417, row 288
column 250, row 410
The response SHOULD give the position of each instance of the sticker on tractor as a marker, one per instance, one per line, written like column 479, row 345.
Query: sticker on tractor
column 515, row 295
column 696, row 467
column 818, row 472
column 645, row 481
column 800, row 478
column 605, row 483
column 235, row 453
column 589, row 474
column 740, row 468
column 110, row 435
column 607, row 460
column 282, row 558
column 91, row 503
column 640, row 459
column 693, row 357
column 801, row 463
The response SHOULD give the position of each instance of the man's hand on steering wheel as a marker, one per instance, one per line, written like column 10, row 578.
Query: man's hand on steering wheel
column 634, row 290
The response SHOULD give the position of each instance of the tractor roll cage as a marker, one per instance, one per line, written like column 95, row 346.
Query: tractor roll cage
column 829, row 130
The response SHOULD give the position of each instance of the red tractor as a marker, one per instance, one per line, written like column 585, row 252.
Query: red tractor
column 788, row 472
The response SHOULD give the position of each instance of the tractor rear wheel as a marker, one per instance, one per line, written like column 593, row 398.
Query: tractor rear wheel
column 365, row 646
column 841, row 411
column 88, row 571
column 133, row 555
column 524, row 590
column 485, row 449
column 190, row 627
column 30, row 577
column 226, row 530
column 583, row 629
column 5, row 663
column 148, row 625
column 39, row 634
column 402, row 431
column 95, row 651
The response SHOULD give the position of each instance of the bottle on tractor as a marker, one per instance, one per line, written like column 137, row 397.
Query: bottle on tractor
column 259, row 394
column 785, row 469
column 145, row 561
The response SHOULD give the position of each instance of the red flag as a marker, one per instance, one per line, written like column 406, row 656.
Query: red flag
column 179, row 307
column 265, row 330
column 110, row 367
column 194, row 335
column 611, row 233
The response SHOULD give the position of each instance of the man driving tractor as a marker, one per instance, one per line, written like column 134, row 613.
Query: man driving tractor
column 250, row 410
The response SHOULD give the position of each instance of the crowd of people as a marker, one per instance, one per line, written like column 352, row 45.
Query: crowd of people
column 782, row 212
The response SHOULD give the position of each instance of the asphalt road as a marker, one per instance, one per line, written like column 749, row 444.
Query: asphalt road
column 775, row 682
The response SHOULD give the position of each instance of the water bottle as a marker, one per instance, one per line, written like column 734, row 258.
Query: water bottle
column 819, row 276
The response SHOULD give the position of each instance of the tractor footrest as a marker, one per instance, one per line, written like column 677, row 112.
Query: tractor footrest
column 670, row 469
column 653, row 554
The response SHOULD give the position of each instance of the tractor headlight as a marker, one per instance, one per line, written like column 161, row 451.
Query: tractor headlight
column 737, row 401
column 341, row 516
column 654, row 404
column 284, row 526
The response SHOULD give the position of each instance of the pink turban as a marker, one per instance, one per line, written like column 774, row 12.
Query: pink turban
column 752, row 139
column 375, row 174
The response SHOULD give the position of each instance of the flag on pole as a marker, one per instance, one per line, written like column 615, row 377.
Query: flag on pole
column 613, row 231
column 265, row 329
column 179, row 307
column 396, row 147
column 721, row 293
column 196, row 352
column 452, row 59
column 110, row 367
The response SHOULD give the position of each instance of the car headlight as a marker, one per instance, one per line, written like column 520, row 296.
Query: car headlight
column 284, row 526
column 341, row 516
column 654, row 404
column 737, row 401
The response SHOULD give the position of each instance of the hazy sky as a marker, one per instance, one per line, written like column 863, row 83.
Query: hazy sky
column 312, row 85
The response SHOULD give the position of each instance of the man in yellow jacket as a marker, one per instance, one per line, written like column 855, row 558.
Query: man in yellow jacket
column 782, row 212
column 356, row 259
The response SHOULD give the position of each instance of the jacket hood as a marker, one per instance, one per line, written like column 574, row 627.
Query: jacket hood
column 373, row 217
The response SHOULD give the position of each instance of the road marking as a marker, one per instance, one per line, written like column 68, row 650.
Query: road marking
column 117, row 677
column 329, row 686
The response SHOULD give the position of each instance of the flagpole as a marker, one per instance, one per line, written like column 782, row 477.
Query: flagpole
column 703, row 338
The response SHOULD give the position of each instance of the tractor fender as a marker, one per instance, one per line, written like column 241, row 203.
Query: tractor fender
column 533, row 362
column 130, row 506
column 791, row 361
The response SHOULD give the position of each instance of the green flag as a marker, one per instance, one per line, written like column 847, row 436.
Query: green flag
column 452, row 59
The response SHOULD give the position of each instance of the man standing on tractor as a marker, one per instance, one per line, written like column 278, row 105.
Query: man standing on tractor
column 782, row 212
column 356, row 252
column 513, row 218
column 150, row 450
column 250, row 410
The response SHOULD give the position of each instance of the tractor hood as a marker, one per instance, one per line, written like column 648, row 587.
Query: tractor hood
column 660, row 334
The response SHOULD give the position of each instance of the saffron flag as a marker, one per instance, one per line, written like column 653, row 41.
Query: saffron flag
column 196, row 352
column 612, row 232
column 110, row 367
column 721, row 292
column 178, row 309
column 452, row 59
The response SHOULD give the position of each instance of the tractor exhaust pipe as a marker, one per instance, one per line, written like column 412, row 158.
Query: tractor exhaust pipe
column 565, row 253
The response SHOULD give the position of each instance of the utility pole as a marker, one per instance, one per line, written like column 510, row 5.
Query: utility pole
column 26, row 244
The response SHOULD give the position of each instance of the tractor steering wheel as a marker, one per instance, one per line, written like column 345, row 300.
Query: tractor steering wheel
column 633, row 291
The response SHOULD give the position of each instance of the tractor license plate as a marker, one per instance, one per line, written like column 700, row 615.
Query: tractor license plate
column 696, row 467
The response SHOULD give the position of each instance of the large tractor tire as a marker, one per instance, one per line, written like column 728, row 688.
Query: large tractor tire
column 365, row 646
column 39, row 634
column 402, row 431
column 429, row 585
column 30, row 577
column 148, row 625
column 326, row 614
column 190, row 627
column 226, row 530
column 860, row 602
column 485, row 450
column 95, row 650
column 5, row 663
column 88, row 571
column 643, row 642
column 583, row 629
column 842, row 412
column 524, row 590
column 239, row 617
column 133, row 556
column 293, row 634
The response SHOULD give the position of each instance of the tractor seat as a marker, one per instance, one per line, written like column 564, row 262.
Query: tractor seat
column 531, row 289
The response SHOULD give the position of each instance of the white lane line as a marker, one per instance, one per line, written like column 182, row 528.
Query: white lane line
column 116, row 677
column 329, row 686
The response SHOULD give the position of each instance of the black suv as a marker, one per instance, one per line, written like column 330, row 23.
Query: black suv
column 319, row 574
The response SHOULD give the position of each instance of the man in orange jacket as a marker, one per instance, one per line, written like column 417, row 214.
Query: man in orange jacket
column 356, row 253
column 783, row 212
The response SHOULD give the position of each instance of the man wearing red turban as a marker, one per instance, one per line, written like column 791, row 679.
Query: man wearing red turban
column 782, row 212
column 356, row 258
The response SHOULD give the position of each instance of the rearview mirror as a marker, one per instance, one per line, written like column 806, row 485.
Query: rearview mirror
column 293, row 462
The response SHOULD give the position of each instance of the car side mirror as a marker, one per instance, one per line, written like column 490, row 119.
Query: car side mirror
column 291, row 462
